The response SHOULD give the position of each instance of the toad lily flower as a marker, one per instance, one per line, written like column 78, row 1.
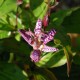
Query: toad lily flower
column 38, row 40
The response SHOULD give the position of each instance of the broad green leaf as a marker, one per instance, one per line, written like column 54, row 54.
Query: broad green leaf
column 12, row 45
column 40, row 11
column 5, row 27
column 52, row 59
column 58, row 17
column 39, row 8
column 27, row 1
column 65, row 43
column 77, row 41
column 3, row 19
column 35, row 4
column 76, row 59
column 4, row 23
column 8, row 6
column 12, row 20
column 62, row 36
column 4, row 34
column 1, row 1
column 72, row 22
column 11, row 72
column 43, row 74
column 20, row 48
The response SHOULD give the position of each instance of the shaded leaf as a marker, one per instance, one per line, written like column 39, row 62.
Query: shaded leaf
column 11, row 72
column 76, row 59
column 43, row 74
column 58, row 17
column 72, row 22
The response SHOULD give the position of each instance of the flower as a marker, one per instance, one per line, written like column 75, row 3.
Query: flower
column 19, row 2
column 38, row 40
column 45, row 20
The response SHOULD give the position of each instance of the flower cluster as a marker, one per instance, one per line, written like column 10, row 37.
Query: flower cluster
column 38, row 40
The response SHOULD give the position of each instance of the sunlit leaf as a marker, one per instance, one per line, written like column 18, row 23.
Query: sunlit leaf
column 52, row 59
column 39, row 8
column 4, row 34
column 8, row 5
column 1, row 1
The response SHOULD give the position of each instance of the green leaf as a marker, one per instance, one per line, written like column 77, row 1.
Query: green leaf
column 4, row 34
column 65, row 43
column 39, row 8
column 52, row 59
column 69, row 56
column 76, row 59
column 18, row 48
column 1, row 1
column 62, row 36
column 58, row 17
column 72, row 22
column 12, row 19
column 11, row 72
column 43, row 74
column 8, row 6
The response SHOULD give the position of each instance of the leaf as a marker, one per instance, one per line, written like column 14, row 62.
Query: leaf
column 65, row 43
column 69, row 56
column 12, row 19
column 39, row 8
column 8, row 5
column 72, row 22
column 76, row 59
column 52, row 59
column 58, row 17
column 43, row 74
column 4, row 34
column 1, row 1
column 20, row 49
column 62, row 36
column 11, row 72
column 12, row 45
column 5, row 27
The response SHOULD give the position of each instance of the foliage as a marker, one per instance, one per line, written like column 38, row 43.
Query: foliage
column 15, row 62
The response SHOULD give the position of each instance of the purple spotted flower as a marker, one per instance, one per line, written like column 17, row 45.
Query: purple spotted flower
column 38, row 40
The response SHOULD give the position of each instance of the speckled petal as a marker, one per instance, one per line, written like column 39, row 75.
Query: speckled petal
column 26, row 36
column 38, row 27
column 35, row 55
column 49, row 49
column 49, row 36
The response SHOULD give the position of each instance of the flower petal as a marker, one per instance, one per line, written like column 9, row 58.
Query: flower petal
column 38, row 27
column 49, row 49
column 25, row 34
column 35, row 55
column 49, row 36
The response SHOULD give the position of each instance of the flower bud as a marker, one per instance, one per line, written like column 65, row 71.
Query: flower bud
column 45, row 21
